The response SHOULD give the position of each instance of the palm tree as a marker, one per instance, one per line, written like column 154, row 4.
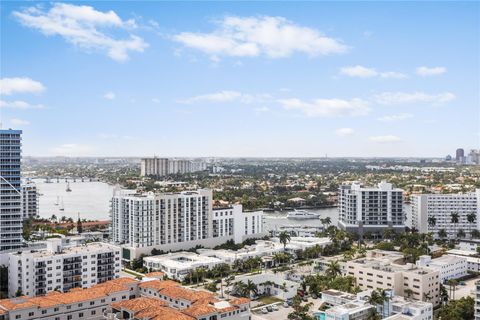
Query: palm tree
column 454, row 218
column 326, row 221
column 53, row 218
column 460, row 234
column 333, row 269
column 251, row 287
column 427, row 296
column 408, row 292
column 432, row 221
column 442, row 234
column 284, row 237
column 388, row 233
column 475, row 234
column 373, row 315
column 452, row 283
column 375, row 299
column 384, row 296
column 471, row 218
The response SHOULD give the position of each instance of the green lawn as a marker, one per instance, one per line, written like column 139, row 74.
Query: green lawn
column 268, row 300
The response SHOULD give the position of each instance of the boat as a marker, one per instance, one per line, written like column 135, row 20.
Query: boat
column 68, row 187
column 57, row 202
column 62, row 207
column 302, row 215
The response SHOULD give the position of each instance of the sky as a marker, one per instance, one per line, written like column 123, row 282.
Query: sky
column 241, row 79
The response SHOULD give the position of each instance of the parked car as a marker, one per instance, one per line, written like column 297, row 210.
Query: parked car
column 274, row 307
column 269, row 308
column 264, row 310
column 285, row 304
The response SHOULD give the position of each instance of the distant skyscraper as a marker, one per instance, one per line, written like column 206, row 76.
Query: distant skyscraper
column 10, row 190
column 460, row 153
column 159, row 167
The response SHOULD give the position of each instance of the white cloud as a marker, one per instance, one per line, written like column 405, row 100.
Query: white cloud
column 359, row 71
column 10, row 86
column 396, row 117
column 385, row 139
column 327, row 107
column 19, row 122
column 19, row 104
column 344, row 132
column 109, row 95
column 393, row 75
column 426, row 71
column 226, row 96
column 81, row 26
column 72, row 150
column 391, row 98
column 273, row 37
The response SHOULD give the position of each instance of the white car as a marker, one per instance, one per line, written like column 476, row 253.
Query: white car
column 274, row 307
column 264, row 310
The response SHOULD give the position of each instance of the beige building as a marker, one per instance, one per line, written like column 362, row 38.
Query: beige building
column 386, row 270
column 126, row 298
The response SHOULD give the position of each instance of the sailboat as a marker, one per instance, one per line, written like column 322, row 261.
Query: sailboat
column 62, row 207
column 68, row 187
column 57, row 202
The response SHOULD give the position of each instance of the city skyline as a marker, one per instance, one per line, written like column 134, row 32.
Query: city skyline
column 241, row 79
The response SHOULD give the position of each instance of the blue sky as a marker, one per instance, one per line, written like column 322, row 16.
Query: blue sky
column 241, row 78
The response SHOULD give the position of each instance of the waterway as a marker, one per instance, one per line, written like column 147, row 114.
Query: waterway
column 92, row 201
column 89, row 199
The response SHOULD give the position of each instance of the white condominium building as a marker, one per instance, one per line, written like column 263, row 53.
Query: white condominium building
column 29, row 199
column 439, row 208
column 450, row 267
column 33, row 273
column 177, row 221
column 363, row 209
column 387, row 271
column 159, row 167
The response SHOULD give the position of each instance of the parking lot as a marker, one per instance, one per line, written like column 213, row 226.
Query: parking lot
column 467, row 290
column 283, row 312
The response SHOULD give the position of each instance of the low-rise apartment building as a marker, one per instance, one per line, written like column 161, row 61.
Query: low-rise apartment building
column 387, row 271
column 59, row 268
column 78, row 304
column 355, row 310
column 450, row 267
column 400, row 308
column 126, row 298
column 180, row 264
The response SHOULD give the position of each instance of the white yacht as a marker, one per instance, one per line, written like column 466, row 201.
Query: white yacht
column 302, row 215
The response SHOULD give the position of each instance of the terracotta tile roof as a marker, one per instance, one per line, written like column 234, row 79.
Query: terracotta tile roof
column 178, row 292
column 200, row 309
column 22, row 302
column 238, row 301
column 166, row 313
column 55, row 298
column 156, row 274
column 138, row 304
column 158, row 285
column 151, row 308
